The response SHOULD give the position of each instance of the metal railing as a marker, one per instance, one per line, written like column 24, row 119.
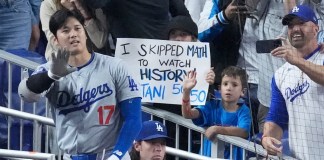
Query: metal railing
column 232, row 140
column 25, row 65
column 47, row 121
column 166, row 116
column 25, row 154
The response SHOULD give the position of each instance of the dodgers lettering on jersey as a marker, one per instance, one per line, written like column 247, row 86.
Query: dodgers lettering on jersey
column 89, row 97
column 292, row 93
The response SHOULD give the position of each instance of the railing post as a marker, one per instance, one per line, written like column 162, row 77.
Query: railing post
column 244, row 154
column 9, row 101
column 231, row 151
column 177, row 139
column 217, row 148
column 37, row 136
column 189, row 140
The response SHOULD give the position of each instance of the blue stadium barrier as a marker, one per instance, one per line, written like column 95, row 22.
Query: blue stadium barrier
column 28, row 107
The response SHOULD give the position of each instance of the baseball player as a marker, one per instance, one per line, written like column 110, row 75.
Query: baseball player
column 94, row 100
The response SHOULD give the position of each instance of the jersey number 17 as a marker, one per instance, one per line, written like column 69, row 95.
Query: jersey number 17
column 105, row 111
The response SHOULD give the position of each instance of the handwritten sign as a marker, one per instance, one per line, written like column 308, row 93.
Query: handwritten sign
column 160, row 66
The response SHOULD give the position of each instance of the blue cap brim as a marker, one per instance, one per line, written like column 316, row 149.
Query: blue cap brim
column 153, row 137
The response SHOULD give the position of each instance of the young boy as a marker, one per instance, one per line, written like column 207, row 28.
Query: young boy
column 224, row 116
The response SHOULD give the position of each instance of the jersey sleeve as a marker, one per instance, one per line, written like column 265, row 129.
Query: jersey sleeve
column 131, row 112
column 244, row 119
column 278, row 110
column 30, row 89
column 126, row 86
column 211, row 22
column 204, row 114
column 41, row 69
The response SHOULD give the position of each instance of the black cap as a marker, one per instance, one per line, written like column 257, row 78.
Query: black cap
column 184, row 23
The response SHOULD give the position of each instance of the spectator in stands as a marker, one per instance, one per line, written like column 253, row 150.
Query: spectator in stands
column 262, row 24
column 182, row 28
column 139, row 18
column 297, row 90
column 267, row 64
column 35, row 34
column 16, row 19
column 220, row 25
column 101, row 124
column 223, row 116
column 195, row 8
column 95, row 22
column 150, row 143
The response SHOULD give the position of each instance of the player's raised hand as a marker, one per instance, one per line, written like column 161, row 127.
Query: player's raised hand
column 59, row 64
column 189, row 81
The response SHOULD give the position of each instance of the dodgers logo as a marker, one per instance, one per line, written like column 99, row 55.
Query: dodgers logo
column 295, row 9
column 159, row 128
column 86, row 98
column 132, row 85
column 293, row 93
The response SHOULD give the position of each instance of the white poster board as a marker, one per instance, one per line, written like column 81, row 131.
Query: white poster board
column 159, row 67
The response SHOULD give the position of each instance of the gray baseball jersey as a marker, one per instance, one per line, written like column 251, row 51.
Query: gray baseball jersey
column 84, row 104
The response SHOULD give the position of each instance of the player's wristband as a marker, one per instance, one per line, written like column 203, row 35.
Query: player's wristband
column 53, row 76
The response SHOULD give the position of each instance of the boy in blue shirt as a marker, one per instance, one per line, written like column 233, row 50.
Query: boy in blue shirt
column 223, row 116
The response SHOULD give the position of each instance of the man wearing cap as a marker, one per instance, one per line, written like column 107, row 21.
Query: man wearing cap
column 298, row 90
column 150, row 143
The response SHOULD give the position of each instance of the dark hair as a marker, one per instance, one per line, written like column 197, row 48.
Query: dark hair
column 135, row 155
column 183, row 23
column 234, row 71
column 58, row 19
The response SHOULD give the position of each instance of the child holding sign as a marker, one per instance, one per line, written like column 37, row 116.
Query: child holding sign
column 223, row 116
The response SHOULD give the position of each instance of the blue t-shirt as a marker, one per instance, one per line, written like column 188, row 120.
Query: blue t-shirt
column 213, row 113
